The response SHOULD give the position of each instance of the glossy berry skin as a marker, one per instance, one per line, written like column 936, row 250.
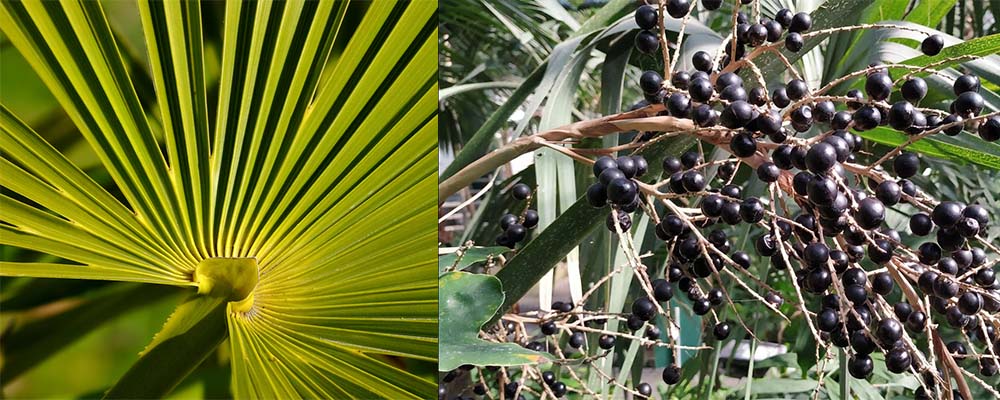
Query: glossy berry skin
column 860, row 366
column 888, row 192
column 650, row 82
column 576, row 340
column 821, row 157
column 647, row 42
column 622, row 191
column 955, row 124
column 678, row 104
column 780, row 98
column 916, row 321
column 867, row 118
column 968, row 104
column 646, row 16
column 721, row 330
column 606, row 342
column 784, row 17
column 768, row 172
column 932, row 45
column 774, row 29
column 520, row 191
column 516, row 232
column 711, row 4
column 966, row 83
column 889, row 331
column 824, row 111
column 989, row 130
column 603, row 163
column 700, row 90
column 914, row 89
column 702, row 61
column 878, row 86
column 801, row 22
column 558, row 389
column 947, row 213
column 751, row 210
column 743, row 145
column 794, row 42
column 530, row 219
column 906, row 165
column 727, row 79
column 898, row 360
column 678, row 8
column 597, row 195
column 921, row 224
column 671, row 375
column 822, row 190
column 870, row 213
column 671, row 165
column 643, row 308
column 901, row 115
column 970, row 303
column 662, row 290
column 796, row 89
column 693, row 181
column 549, row 328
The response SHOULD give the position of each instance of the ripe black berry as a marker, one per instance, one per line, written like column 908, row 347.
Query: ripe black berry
column 662, row 290
column 801, row 22
column 711, row 4
column 888, row 192
column 702, row 61
column 966, row 83
column 889, row 331
column 914, row 89
column 932, row 45
column 751, row 210
column 576, row 340
column 690, row 159
column 530, row 219
column 901, row 115
column 678, row 104
column 970, row 303
column 671, row 375
column 794, row 42
column 867, row 118
column 906, row 165
column 768, row 172
column 968, row 104
column 743, row 144
column 878, row 86
column 822, row 190
column 693, row 181
column 597, row 195
column 721, row 330
column 897, row 360
column 647, row 42
column 870, row 213
column 989, row 130
column 947, row 213
column 549, row 328
column 520, row 191
column 645, row 17
column 621, row 191
column 678, row 8
column 643, row 308
column 650, row 82
column 606, row 342
column 860, row 366
column 821, row 157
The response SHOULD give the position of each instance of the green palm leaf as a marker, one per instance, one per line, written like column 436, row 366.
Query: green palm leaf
column 294, row 138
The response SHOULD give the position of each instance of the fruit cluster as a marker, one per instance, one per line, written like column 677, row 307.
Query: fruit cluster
column 515, row 228
column 617, row 183
column 823, row 223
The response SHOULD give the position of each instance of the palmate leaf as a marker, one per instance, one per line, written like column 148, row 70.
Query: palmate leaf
column 317, row 162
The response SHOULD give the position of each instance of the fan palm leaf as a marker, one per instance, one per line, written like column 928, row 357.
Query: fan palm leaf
column 318, row 165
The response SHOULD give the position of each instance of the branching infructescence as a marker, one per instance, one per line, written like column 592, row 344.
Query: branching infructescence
column 823, row 219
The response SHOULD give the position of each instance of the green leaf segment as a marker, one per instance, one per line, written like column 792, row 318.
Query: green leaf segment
column 285, row 157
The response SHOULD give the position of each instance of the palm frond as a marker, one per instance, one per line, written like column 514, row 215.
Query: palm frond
column 298, row 137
